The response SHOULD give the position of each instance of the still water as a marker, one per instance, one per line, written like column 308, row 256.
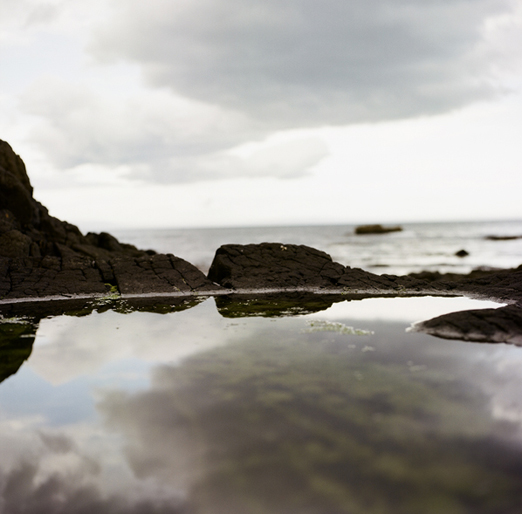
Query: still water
column 214, row 409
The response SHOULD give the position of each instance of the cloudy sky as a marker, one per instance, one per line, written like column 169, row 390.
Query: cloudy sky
column 187, row 113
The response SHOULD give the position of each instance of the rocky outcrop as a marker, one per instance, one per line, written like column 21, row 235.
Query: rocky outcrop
column 284, row 268
column 502, row 325
column 43, row 256
column 503, row 285
column 376, row 229
column 293, row 267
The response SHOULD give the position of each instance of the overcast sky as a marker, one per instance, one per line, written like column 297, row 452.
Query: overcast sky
column 189, row 113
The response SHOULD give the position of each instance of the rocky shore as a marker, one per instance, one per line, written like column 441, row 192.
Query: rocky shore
column 42, row 257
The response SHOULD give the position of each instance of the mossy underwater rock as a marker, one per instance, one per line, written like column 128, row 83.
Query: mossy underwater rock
column 43, row 256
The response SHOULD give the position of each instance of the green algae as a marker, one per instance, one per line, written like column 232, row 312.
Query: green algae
column 335, row 326
column 274, row 305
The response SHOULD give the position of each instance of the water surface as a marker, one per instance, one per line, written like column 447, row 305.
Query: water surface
column 335, row 411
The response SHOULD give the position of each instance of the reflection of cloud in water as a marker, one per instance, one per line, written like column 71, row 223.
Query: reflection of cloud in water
column 269, row 416
column 299, row 425
column 67, row 347
column 407, row 310
column 54, row 472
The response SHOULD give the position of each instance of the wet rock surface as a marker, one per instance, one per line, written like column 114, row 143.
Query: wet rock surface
column 43, row 256
column 502, row 325
column 276, row 266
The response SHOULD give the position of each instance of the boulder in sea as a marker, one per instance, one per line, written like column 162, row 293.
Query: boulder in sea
column 284, row 267
column 376, row 229
column 462, row 253
column 43, row 256
column 502, row 238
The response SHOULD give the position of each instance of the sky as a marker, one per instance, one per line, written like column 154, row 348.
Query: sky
column 201, row 113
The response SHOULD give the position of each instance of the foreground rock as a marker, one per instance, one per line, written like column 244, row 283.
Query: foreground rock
column 503, row 325
column 296, row 267
column 43, row 256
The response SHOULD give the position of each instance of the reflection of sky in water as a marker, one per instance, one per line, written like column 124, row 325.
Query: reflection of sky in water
column 140, row 412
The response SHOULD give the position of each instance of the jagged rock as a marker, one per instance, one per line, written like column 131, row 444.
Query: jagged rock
column 270, row 265
column 43, row 256
column 290, row 267
column 502, row 325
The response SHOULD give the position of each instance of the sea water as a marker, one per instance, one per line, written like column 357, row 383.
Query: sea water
column 418, row 247
column 207, row 410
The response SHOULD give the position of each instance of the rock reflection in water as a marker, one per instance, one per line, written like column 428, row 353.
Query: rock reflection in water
column 267, row 416
column 16, row 344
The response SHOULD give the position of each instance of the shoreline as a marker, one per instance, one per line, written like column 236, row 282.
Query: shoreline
column 46, row 261
column 259, row 292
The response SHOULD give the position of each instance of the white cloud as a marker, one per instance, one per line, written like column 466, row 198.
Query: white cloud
column 179, row 93
column 85, row 345
column 155, row 136
column 302, row 63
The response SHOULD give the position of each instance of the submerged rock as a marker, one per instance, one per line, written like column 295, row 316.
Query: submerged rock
column 43, row 256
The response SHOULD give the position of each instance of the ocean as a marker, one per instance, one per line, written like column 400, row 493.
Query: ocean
column 418, row 247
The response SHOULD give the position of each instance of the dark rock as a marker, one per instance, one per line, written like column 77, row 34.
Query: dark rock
column 14, row 196
column 462, row 253
column 502, row 325
column 272, row 265
column 376, row 229
column 290, row 267
column 502, row 238
column 43, row 256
